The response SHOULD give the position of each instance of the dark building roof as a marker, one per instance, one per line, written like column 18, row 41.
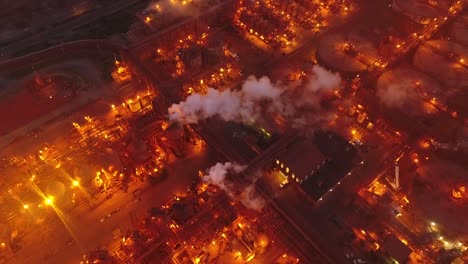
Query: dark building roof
column 324, row 179
column 395, row 248
column 302, row 158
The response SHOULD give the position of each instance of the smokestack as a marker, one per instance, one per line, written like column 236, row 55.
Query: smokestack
column 397, row 176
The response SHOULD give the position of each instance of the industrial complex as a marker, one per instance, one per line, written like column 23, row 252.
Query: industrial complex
column 234, row 131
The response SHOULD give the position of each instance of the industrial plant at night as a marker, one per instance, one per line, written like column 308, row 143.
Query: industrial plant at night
column 234, row 132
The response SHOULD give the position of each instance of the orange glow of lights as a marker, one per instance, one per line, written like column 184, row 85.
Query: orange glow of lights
column 376, row 245
column 49, row 200
column 425, row 144
column 406, row 200
column 75, row 183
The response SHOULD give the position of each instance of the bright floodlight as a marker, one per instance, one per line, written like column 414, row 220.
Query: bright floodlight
column 76, row 183
column 49, row 200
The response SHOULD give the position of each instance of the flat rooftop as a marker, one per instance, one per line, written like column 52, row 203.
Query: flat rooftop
column 302, row 158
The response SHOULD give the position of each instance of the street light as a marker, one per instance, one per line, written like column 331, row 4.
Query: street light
column 49, row 200
column 75, row 183
column 25, row 206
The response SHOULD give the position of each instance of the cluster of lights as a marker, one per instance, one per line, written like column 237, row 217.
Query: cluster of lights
column 248, row 16
column 446, row 243
column 49, row 200
column 223, row 73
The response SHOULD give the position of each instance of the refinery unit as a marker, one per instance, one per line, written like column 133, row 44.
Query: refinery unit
column 239, row 131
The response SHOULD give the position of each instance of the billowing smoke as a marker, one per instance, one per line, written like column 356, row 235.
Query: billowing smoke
column 251, row 199
column 298, row 102
column 407, row 89
column 225, row 104
column 323, row 80
column 217, row 175
column 459, row 142
column 396, row 95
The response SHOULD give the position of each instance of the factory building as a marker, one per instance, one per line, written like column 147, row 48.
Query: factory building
column 300, row 161
column 315, row 165
column 192, row 58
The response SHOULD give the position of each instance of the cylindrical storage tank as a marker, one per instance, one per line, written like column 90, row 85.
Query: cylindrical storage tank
column 446, row 61
column 331, row 52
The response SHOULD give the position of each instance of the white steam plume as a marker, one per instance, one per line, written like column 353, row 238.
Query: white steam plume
column 407, row 89
column 217, row 175
column 251, row 199
column 323, row 80
column 300, row 104
column 396, row 95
